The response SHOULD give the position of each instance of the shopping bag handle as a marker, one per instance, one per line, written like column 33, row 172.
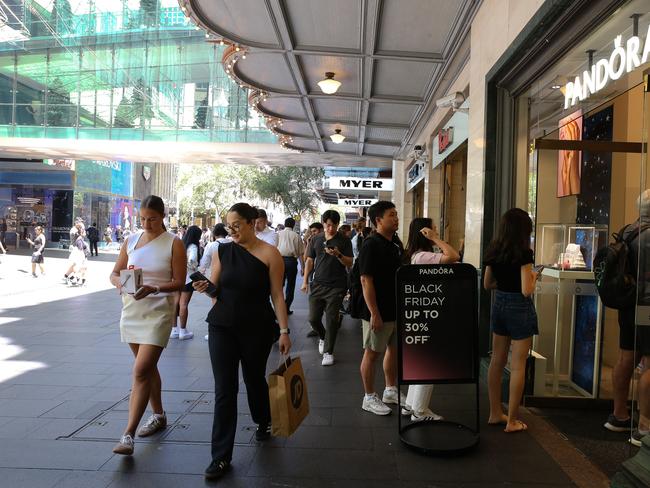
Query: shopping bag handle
column 281, row 361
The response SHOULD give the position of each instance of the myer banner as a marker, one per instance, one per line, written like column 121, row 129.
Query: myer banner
column 357, row 202
column 371, row 184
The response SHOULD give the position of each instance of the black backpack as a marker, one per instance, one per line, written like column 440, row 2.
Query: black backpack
column 614, row 273
column 357, row 305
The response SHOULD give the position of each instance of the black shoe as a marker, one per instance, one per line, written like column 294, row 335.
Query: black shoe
column 290, row 312
column 263, row 432
column 216, row 470
column 312, row 333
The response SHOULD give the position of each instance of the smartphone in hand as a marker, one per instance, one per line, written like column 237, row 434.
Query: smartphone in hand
column 538, row 269
column 212, row 289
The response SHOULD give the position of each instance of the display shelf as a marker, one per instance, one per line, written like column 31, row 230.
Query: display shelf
column 564, row 274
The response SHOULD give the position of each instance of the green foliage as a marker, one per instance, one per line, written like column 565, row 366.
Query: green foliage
column 292, row 187
column 207, row 189
column 149, row 11
column 61, row 16
column 201, row 114
column 124, row 116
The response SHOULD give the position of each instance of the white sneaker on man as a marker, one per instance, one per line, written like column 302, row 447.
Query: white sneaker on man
column 427, row 414
column 174, row 334
column 207, row 337
column 321, row 346
column 328, row 359
column 184, row 334
column 372, row 403
column 407, row 410
column 390, row 396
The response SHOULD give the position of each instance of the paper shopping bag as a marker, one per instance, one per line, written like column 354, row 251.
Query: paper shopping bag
column 288, row 397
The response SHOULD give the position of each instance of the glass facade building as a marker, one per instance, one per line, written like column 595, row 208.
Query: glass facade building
column 117, row 69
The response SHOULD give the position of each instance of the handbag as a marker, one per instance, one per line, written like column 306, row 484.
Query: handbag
column 288, row 397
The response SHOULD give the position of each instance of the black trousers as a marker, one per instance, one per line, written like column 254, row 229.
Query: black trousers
column 228, row 347
column 290, row 273
column 93, row 246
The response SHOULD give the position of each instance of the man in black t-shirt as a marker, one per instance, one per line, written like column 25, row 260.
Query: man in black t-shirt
column 379, row 259
column 93, row 237
column 329, row 255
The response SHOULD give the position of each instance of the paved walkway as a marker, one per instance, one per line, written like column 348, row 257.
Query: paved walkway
column 64, row 385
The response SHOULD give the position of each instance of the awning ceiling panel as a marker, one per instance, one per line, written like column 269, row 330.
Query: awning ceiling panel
column 392, row 58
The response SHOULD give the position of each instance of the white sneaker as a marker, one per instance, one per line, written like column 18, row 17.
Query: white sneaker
column 390, row 396
column 372, row 404
column 125, row 446
column 174, row 334
column 184, row 334
column 427, row 414
column 321, row 346
column 407, row 410
column 207, row 337
column 328, row 359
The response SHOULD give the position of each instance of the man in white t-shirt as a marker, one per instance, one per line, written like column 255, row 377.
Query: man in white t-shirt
column 291, row 248
column 263, row 230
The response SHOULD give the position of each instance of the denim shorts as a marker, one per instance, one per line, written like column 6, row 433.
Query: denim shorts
column 513, row 315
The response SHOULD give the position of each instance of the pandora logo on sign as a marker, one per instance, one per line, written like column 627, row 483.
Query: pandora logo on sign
column 623, row 60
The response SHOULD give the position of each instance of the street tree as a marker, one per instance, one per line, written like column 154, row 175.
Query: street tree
column 292, row 187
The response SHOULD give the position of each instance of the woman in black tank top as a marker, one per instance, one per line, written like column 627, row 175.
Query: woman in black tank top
column 513, row 321
column 242, row 327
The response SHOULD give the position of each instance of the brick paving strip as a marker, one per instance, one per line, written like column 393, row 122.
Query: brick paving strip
column 573, row 462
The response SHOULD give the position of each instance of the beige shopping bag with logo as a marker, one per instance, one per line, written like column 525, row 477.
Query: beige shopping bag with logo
column 288, row 397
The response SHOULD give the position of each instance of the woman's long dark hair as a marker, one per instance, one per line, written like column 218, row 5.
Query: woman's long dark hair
column 416, row 241
column 513, row 238
column 193, row 236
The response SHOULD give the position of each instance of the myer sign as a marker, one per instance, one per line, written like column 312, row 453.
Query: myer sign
column 357, row 202
column 624, row 59
column 372, row 184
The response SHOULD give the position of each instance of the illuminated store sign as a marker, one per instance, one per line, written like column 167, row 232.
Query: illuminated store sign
column 348, row 183
column 357, row 202
column 623, row 60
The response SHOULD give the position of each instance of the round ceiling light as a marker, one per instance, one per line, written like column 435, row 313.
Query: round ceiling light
column 337, row 138
column 329, row 85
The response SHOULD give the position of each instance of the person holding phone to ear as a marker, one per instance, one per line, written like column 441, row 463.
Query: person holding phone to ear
column 147, row 315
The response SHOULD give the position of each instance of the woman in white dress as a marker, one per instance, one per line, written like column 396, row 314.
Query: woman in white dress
column 148, row 314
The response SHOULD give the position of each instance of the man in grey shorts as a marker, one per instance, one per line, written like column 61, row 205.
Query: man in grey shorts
column 379, row 259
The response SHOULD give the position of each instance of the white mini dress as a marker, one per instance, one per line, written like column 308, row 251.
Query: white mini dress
column 150, row 319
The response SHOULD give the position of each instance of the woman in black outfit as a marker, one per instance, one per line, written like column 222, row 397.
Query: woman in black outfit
column 242, row 329
column 513, row 321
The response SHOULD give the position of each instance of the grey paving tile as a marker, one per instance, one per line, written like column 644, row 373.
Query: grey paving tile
column 76, row 409
column 477, row 466
column 20, row 427
column 30, row 392
column 26, row 408
column 46, row 454
column 326, row 437
column 30, row 478
column 174, row 459
column 196, row 427
column 60, row 379
column 56, row 428
column 86, row 479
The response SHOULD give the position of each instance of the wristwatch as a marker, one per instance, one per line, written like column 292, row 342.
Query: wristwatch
column 285, row 331
column 157, row 289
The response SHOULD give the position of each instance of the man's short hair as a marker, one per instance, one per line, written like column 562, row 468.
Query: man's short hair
column 261, row 214
column 332, row 215
column 316, row 225
column 377, row 210
column 345, row 228
column 290, row 222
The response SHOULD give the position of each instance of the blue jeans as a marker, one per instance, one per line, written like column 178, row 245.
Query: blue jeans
column 513, row 315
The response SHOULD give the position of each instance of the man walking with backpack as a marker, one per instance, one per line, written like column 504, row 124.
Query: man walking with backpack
column 617, row 268
column 92, row 233
column 329, row 255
